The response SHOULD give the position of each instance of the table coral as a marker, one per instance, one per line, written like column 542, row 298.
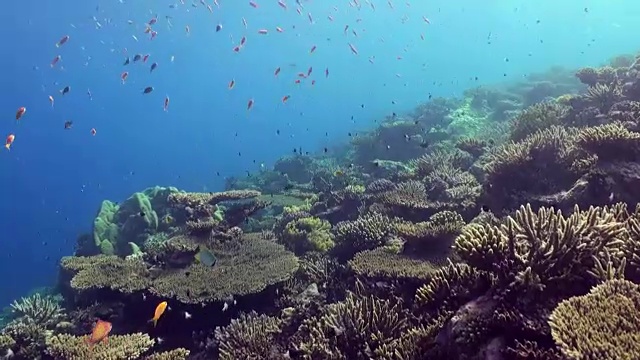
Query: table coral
column 602, row 325
column 104, row 271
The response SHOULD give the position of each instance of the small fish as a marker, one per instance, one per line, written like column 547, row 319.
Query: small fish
column 243, row 40
column 137, row 57
column 338, row 173
column 263, row 31
column 51, row 101
column 65, row 90
column 282, row 4
column 187, row 29
column 93, row 131
column 62, row 41
column 326, row 72
column 172, row 58
column 9, row 141
column 147, row 90
column 309, row 71
column 124, row 76
column 313, row 48
column 225, row 307
column 249, row 104
column 253, row 4
column 145, row 58
column 55, row 60
column 166, row 103
column 275, row 73
column 21, row 111
column 68, row 124
column 126, row 62
column 206, row 257
column 153, row 20
column 153, row 67
column 232, row 83
column 218, row 27
column 285, row 98
column 99, row 333
column 158, row 312
column 279, row 29
column 353, row 49
column 244, row 22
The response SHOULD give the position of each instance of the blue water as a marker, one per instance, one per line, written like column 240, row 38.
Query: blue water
column 53, row 180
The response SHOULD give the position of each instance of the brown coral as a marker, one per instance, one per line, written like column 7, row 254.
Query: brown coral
column 610, row 142
column 251, row 336
column 537, row 117
column 602, row 325
column 104, row 271
column 367, row 232
column 119, row 347
column 385, row 263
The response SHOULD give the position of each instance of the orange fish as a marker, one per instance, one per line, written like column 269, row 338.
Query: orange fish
column 124, row 76
column 20, row 112
column 277, row 72
column 159, row 311
column 93, row 131
column 9, row 141
column 99, row 333
column 249, row 104
column 285, row 98
column 232, row 83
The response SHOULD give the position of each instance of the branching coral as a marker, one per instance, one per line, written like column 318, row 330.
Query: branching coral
column 357, row 328
column 610, row 142
column 175, row 354
column 367, row 232
column 425, row 164
column 251, row 337
column 542, row 250
column 310, row 233
column 603, row 96
column 473, row 146
column 40, row 310
column 592, row 76
column 385, row 263
column 602, row 325
column 453, row 188
column 537, row 117
column 430, row 239
column 118, row 347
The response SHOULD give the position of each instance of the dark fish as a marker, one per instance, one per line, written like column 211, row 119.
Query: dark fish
column 126, row 62
column 68, row 124
column 141, row 214
column 153, row 66
column 424, row 145
column 137, row 57
column 65, row 90
column 147, row 90
column 218, row 27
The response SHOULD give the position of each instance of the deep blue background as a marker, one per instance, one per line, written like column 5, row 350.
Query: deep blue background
column 53, row 180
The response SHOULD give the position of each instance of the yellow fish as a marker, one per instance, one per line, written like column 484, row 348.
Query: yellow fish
column 159, row 311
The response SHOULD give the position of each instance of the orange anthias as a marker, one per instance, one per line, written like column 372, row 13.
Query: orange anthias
column 100, row 332
column 159, row 311
column 9, row 141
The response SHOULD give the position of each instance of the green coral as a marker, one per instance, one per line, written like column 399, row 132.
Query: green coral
column 602, row 325
column 308, row 234
column 104, row 228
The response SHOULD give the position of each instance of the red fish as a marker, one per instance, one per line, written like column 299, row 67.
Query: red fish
column 124, row 76
column 285, row 98
column 275, row 73
column 20, row 112
column 145, row 58
column 99, row 333
column 9, row 141
column 62, row 41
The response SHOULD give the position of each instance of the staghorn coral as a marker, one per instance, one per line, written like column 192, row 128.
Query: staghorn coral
column 473, row 146
column 543, row 251
column 379, row 186
column 408, row 197
column 543, row 163
column 602, row 325
column 610, row 142
column 118, row 347
column 603, row 96
column 102, row 271
column 430, row 239
column 39, row 310
column 356, row 328
column 425, row 164
column 537, row 117
column 242, row 267
column 593, row 76
column 249, row 337
column 28, row 339
column 453, row 188
column 367, row 232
